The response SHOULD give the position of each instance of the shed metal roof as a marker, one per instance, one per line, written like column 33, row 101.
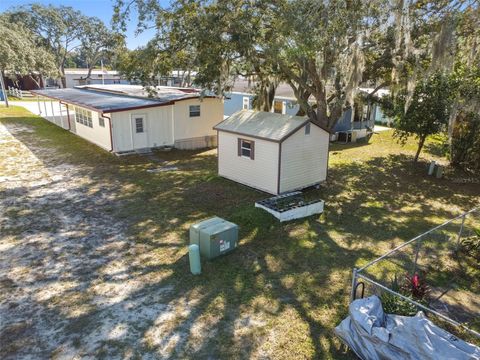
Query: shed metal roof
column 264, row 125
column 104, row 102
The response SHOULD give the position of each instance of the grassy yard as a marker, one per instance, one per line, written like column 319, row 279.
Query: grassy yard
column 279, row 295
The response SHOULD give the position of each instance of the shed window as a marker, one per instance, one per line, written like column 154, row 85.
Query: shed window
column 194, row 110
column 307, row 129
column 101, row 121
column 139, row 125
column 246, row 148
column 83, row 117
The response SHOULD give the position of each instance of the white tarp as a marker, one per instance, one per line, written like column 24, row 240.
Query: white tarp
column 372, row 335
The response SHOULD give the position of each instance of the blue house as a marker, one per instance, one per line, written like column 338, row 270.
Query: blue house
column 348, row 128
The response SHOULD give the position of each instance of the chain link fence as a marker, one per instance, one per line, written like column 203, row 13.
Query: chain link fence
column 437, row 272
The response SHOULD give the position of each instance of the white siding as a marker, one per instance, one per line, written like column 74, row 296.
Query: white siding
column 96, row 134
column 69, row 80
column 186, row 127
column 166, row 125
column 158, row 126
column 260, row 173
column 304, row 159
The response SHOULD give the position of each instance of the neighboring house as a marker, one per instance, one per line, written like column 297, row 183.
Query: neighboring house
column 179, row 78
column 376, row 113
column 380, row 117
column 272, row 152
column 76, row 77
column 241, row 98
column 236, row 101
column 121, row 118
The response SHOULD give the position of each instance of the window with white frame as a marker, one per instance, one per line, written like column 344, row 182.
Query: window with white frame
column 246, row 148
column 246, row 103
column 194, row 110
column 101, row 121
column 83, row 116
column 139, row 125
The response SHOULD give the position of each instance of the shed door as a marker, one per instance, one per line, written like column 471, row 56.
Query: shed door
column 139, row 131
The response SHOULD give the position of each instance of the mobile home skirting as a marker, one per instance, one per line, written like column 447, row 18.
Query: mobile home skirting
column 208, row 141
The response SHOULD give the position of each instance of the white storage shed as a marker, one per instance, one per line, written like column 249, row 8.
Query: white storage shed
column 272, row 152
column 121, row 118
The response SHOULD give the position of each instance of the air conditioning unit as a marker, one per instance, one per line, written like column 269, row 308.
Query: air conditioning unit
column 344, row 137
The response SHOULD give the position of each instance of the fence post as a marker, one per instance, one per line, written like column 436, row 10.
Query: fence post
column 459, row 237
column 416, row 256
column 354, row 284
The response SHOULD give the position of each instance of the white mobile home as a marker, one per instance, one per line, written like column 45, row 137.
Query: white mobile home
column 272, row 152
column 122, row 119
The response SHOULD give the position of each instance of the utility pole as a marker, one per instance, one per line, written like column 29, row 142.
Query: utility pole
column 2, row 84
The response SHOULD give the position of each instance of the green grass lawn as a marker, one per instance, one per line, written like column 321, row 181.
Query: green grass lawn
column 289, row 283
column 25, row 98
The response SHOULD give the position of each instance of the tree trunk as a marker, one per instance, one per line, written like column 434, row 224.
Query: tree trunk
column 451, row 124
column 37, row 82
column 270, row 92
column 89, row 74
column 63, row 79
column 420, row 146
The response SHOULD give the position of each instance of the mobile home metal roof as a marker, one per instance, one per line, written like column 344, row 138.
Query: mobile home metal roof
column 158, row 92
column 105, row 101
column 263, row 125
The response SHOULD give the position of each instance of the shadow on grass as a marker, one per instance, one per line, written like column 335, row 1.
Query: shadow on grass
column 282, row 291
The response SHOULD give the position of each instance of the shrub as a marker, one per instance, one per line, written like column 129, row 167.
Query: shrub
column 413, row 287
column 393, row 304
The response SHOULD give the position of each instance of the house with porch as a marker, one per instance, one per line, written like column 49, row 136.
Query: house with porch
column 124, row 119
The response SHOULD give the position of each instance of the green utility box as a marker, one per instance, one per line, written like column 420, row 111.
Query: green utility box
column 195, row 229
column 215, row 237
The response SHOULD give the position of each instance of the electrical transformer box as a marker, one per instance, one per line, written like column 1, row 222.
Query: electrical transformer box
column 195, row 229
column 215, row 237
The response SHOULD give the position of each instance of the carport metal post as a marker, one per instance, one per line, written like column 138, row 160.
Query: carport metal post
column 53, row 112
column 61, row 115
column 68, row 118
column 39, row 107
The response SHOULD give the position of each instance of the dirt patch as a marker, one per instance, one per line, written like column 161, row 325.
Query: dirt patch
column 68, row 289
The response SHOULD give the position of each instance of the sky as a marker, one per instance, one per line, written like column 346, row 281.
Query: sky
column 102, row 9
